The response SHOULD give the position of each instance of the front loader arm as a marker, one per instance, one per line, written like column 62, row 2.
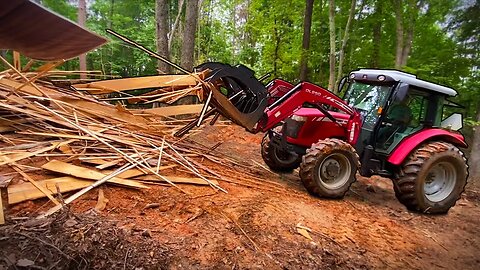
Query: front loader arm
column 313, row 95
column 235, row 93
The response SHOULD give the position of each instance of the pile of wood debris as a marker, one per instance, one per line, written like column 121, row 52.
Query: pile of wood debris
column 77, row 142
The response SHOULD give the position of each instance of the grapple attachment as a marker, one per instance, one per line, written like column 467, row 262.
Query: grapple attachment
column 235, row 93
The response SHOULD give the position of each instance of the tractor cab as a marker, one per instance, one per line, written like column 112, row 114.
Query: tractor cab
column 394, row 106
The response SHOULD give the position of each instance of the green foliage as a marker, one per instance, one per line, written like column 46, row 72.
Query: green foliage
column 267, row 36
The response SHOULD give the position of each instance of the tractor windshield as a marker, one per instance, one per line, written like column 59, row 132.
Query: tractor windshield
column 367, row 98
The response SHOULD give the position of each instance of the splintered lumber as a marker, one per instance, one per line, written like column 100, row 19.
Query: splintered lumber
column 33, row 182
column 136, row 172
column 178, row 180
column 8, row 159
column 172, row 110
column 117, row 85
column 90, row 187
column 27, row 191
column 107, row 111
column 86, row 173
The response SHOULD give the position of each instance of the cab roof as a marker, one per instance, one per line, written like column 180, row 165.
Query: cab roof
column 404, row 77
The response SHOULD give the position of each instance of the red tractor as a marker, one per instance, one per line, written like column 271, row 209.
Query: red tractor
column 388, row 123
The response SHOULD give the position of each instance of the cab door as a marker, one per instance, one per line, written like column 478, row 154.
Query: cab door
column 402, row 118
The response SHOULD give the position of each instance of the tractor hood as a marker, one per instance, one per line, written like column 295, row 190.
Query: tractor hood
column 315, row 114
column 35, row 32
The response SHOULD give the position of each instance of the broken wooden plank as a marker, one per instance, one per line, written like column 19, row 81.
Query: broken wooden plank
column 118, row 85
column 171, row 110
column 94, row 185
column 136, row 172
column 177, row 180
column 26, row 191
column 86, row 173
column 34, row 183
column 8, row 159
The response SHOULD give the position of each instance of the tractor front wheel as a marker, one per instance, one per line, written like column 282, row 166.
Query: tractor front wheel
column 432, row 179
column 328, row 168
column 277, row 159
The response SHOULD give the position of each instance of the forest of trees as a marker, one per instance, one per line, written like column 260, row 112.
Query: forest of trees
column 315, row 40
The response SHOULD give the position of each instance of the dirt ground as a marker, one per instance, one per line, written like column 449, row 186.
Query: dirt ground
column 253, row 226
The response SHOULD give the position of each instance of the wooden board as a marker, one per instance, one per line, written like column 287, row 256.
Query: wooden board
column 107, row 111
column 136, row 172
column 86, row 173
column 26, row 191
column 177, row 180
column 27, row 88
column 116, row 85
column 171, row 110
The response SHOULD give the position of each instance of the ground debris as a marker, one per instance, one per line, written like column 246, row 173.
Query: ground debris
column 91, row 242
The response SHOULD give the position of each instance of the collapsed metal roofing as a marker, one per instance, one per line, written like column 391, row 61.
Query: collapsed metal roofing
column 40, row 34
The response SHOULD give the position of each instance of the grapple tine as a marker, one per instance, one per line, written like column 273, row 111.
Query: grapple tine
column 236, row 80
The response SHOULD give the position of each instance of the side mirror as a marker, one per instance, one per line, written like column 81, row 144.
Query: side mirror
column 401, row 92
column 341, row 84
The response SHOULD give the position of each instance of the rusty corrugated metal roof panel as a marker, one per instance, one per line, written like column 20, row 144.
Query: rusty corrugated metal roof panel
column 43, row 35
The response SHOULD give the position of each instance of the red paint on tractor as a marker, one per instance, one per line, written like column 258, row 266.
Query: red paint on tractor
column 319, row 127
column 412, row 142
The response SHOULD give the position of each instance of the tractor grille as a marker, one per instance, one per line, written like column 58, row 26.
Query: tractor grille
column 292, row 127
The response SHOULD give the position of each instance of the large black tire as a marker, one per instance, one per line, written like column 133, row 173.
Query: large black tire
column 278, row 160
column 328, row 168
column 432, row 179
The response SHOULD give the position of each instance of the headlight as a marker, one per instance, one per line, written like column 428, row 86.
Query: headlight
column 299, row 118
column 381, row 78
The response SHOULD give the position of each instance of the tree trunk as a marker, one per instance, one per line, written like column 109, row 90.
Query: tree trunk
column 331, row 20
column 344, row 44
column 474, row 161
column 413, row 13
column 277, row 49
column 307, row 25
column 82, row 17
column 161, row 16
column 398, row 6
column 188, row 42
column 175, row 24
column 377, row 34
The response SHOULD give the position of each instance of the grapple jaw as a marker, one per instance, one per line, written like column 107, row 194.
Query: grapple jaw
column 235, row 93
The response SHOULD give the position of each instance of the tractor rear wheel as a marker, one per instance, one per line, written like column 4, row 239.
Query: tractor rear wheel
column 432, row 179
column 328, row 168
column 277, row 159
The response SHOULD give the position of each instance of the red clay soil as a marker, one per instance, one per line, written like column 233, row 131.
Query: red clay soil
column 254, row 226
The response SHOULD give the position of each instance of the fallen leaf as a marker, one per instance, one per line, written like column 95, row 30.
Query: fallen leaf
column 304, row 233
column 25, row 263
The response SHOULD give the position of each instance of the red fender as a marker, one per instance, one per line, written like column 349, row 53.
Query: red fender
column 413, row 141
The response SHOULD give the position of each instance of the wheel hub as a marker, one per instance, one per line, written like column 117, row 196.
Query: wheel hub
column 334, row 171
column 440, row 182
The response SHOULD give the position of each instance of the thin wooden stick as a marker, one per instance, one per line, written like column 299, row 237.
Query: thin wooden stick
column 39, row 74
column 160, row 155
